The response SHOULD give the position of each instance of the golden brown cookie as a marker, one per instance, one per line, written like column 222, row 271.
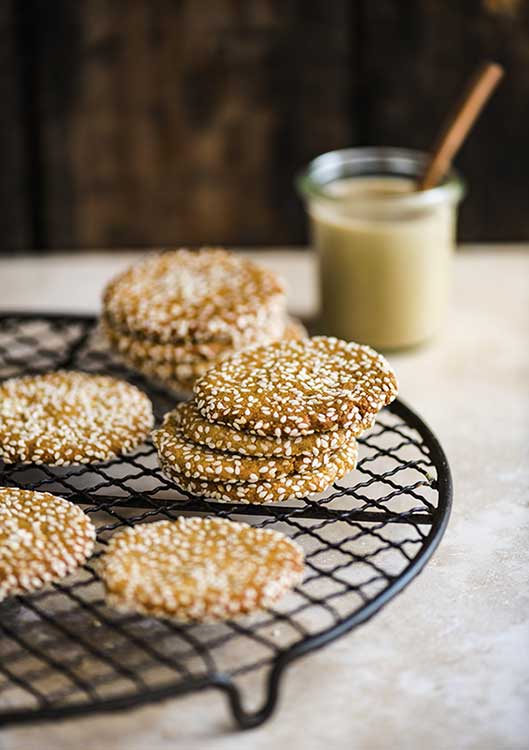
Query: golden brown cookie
column 297, row 388
column 198, row 569
column 68, row 417
column 276, row 490
column 42, row 539
column 200, row 462
column 220, row 437
column 197, row 296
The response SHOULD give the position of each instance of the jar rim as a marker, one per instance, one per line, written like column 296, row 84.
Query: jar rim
column 365, row 161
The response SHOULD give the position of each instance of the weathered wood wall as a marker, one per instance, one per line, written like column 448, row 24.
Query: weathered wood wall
column 127, row 122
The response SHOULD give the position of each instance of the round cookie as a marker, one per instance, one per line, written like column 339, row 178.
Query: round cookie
column 221, row 437
column 202, row 295
column 68, row 417
column 199, row 462
column 292, row 388
column 198, row 569
column 42, row 539
column 273, row 491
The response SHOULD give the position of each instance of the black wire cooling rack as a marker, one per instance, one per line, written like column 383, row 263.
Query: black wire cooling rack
column 63, row 652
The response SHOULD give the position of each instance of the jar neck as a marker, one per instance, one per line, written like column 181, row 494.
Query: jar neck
column 317, row 180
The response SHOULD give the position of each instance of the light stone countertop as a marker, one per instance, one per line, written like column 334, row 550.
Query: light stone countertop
column 445, row 666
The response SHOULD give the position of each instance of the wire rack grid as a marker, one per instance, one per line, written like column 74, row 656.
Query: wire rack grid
column 63, row 652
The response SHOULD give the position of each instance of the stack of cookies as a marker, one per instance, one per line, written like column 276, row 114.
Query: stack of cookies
column 176, row 314
column 275, row 422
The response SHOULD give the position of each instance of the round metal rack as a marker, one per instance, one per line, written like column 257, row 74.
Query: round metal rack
column 63, row 652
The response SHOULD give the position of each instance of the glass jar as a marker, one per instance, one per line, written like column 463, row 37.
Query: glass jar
column 384, row 249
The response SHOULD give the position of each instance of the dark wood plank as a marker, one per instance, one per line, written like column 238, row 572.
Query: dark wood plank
column 184, row 122
column 417, row 54
column 15, row 200
column 132, row 123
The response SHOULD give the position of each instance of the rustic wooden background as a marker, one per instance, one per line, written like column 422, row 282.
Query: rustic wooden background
column 137, row 122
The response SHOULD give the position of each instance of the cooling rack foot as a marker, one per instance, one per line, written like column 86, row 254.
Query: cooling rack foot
column 251, row 719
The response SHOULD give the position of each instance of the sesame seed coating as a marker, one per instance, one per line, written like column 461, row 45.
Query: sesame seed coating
column 221, row 437
column 203, row 295
column 198, row 569
column 275, row 490
column 200, row 462
column 292, row 388
column 68, row 417
column 135, row 348
column 167, row 372
column 42, row 538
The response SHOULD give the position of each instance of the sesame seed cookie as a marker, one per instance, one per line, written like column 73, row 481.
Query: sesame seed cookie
column 198, row 569
column 220, row 437
column 199, row 462
column 292, row 388
column 42, row 539
column 197, row 296
column 272, row 491
column 68, row 417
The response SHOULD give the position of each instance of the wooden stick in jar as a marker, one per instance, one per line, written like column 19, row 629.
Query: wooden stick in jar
column 456, row 129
